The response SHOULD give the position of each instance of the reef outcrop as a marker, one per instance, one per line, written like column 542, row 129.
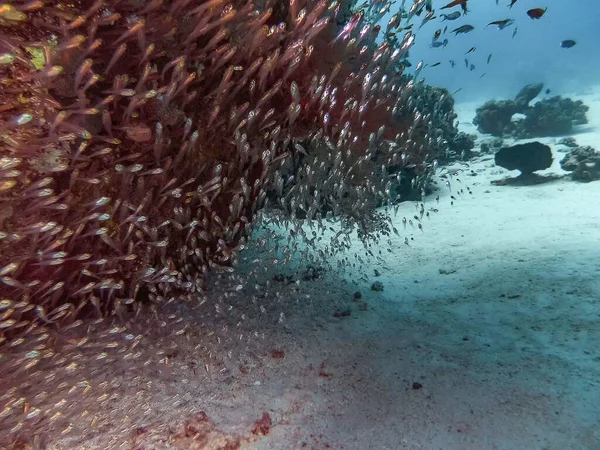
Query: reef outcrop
column 583, row 162
column 553, row 116
column 431, row 110
column 495, row 117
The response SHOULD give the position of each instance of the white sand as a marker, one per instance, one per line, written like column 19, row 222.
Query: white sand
column 506, row 344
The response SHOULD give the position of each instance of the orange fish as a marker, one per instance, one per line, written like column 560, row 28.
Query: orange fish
column 462, row 3
column 536, row 13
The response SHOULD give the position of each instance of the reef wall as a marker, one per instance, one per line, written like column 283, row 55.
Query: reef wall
column 140, row 141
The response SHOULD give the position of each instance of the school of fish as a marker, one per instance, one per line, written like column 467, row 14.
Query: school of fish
column 142, row 141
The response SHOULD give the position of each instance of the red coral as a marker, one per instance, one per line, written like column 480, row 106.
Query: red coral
column 277, row 354
column 262, row 425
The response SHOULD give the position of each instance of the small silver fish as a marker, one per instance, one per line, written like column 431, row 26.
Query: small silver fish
column 418, row 69
column 429, row 16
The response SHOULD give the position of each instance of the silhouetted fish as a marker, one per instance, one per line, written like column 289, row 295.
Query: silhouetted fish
column 568, row 43
column 463, row 29
column 501, row 24
column 452, row 16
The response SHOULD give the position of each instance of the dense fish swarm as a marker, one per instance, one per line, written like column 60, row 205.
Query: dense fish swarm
column 139, row 140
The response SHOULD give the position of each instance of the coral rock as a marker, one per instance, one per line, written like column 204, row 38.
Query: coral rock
column 495, row 117
column 554, row 116
column 526, row 158
column 549, row 117
column 584, row 162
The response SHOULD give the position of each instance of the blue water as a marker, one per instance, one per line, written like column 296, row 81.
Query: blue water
column 533, row 55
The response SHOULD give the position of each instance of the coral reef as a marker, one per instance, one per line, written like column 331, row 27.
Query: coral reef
column 553, row 116
column 437, row 106
column 432, row 110
column 584, row 162
column 133, row 172
column 141, row 141
column 495, row 117
column 461, row 144
column 526, row 158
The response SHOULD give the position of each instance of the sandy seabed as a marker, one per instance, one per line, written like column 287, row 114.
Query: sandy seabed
column 486, row 335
